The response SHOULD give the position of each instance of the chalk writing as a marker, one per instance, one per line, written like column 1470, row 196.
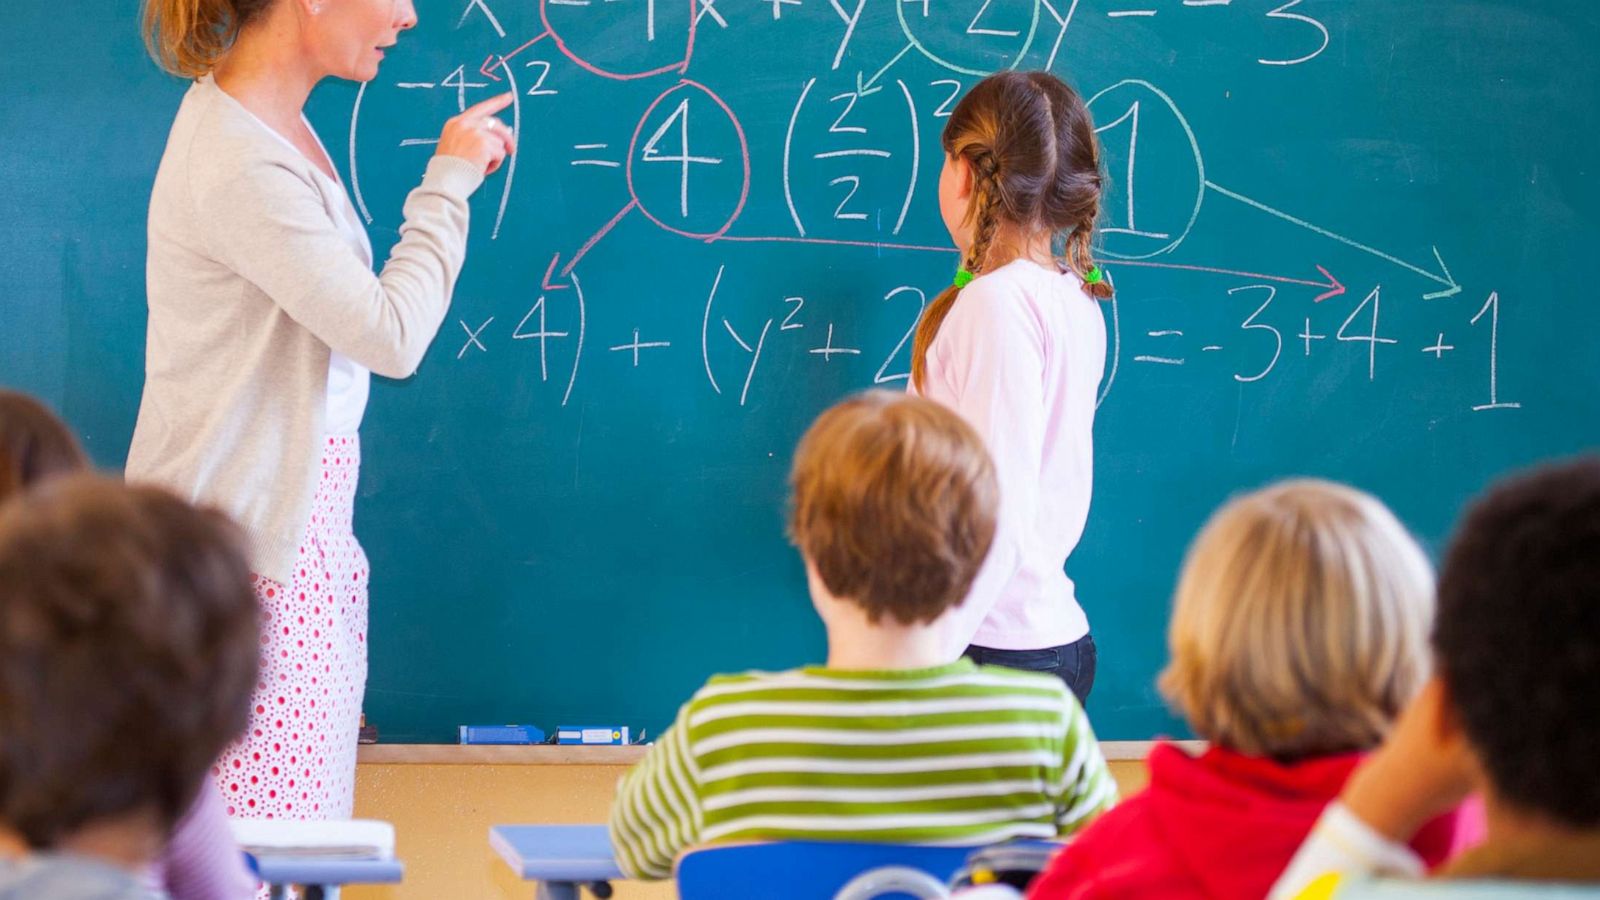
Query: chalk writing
column 847, row 157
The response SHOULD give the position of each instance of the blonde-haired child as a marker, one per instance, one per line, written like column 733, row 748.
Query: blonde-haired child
column 1509, row 712
column 1299, row 632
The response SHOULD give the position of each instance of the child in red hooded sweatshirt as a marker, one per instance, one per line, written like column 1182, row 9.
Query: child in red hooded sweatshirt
column 1299, row 632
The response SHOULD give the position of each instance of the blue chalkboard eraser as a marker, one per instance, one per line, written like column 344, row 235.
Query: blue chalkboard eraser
column 592, row 735
column 501, row 734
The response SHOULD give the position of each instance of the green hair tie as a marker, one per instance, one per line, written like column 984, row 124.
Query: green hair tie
column 964, row 277
column 1094, row 276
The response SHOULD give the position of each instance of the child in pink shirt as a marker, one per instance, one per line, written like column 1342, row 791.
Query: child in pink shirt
column 1017, row 346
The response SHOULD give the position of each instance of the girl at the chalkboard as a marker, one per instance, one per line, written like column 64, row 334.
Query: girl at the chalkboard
column 1017, row 346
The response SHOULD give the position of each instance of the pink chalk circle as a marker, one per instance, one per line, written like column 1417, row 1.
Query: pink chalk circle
column 744, row 158
column 678, row 66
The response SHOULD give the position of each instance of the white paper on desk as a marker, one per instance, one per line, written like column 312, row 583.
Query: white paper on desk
column 348, row 839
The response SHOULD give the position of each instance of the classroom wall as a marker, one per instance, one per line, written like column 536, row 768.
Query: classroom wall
column 442, row 814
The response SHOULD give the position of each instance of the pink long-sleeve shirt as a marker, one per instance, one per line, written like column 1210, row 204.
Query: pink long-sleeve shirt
column 202, row 861
column 1020, row 357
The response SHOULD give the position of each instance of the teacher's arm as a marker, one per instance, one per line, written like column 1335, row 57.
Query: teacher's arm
column 267, row 223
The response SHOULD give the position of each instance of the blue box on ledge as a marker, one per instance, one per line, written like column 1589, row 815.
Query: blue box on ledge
column 501, row 734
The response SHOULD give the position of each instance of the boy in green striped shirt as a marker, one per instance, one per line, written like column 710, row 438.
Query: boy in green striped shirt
column 894, row 510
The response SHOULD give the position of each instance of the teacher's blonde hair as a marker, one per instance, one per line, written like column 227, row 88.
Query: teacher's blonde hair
column 1301, row 623
column 189, row 37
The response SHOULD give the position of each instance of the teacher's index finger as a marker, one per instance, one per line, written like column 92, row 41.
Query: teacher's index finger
column 490, row 106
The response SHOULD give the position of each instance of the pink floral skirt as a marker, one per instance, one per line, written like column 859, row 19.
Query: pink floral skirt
column 297, row 759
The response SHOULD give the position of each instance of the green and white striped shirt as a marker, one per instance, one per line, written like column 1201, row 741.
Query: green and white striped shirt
column 958, row 754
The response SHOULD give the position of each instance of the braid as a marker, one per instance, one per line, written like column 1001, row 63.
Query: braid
column 1080, row 258
column 1080, row 242
column 985, row 202
column 927, row 328
column 987, row 199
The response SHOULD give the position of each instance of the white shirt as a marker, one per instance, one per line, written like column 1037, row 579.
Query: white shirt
column 349, row 382
column 1342, row 843
column 1020, row 357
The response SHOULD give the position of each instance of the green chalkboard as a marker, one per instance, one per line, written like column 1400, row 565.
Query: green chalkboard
column 1349, row 240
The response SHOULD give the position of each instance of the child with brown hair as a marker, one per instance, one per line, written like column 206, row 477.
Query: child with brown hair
column 890, row 741
column 140, row 609
column 34, row 444
column 1017, row 346
column 1299, row 632
column 201, row 861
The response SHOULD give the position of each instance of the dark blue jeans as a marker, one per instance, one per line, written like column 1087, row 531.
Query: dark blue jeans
column 1072, row 663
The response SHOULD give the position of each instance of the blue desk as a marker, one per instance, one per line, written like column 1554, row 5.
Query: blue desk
column 322, row 878
column 562, row 858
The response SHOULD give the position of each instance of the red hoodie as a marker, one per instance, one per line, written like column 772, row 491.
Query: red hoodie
column 1221, row 826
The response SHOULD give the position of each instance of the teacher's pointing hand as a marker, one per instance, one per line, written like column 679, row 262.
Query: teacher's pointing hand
column 479, row 136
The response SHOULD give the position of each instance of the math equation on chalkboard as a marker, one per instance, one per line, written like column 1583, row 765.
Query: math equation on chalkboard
column 824, row 139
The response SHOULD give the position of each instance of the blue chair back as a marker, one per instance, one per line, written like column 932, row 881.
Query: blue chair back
column 807, row 870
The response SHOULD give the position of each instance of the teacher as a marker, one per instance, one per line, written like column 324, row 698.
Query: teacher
column 265, row 322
